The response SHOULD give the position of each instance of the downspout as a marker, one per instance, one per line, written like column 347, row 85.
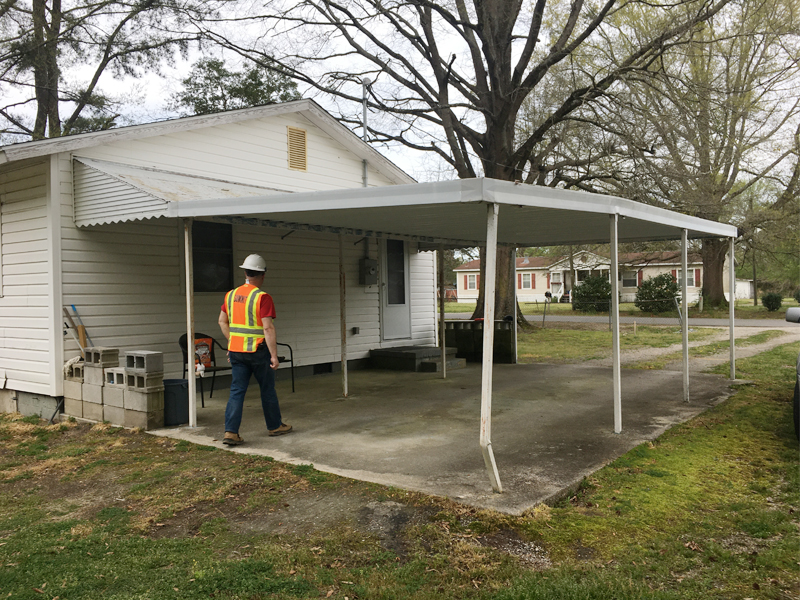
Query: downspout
column 343, row 315
column 440, row 262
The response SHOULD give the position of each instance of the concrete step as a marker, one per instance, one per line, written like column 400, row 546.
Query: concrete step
column 406, row 358
column 435, row 365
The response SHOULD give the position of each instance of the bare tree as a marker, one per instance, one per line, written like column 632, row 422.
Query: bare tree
column 41, row 39
column 450, row 77
column 713, row 119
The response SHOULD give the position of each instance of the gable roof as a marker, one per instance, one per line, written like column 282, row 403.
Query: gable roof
column 307, row 108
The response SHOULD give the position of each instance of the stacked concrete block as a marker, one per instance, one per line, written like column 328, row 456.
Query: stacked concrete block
column 113, row 395
column 144, row 389
column 96, row 361
column 73, row 392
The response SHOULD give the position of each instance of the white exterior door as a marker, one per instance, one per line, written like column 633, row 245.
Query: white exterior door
column 395, row 291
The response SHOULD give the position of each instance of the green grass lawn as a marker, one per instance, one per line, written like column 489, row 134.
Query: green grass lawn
column 553, row 344
column 743, row 309
column 708, row 510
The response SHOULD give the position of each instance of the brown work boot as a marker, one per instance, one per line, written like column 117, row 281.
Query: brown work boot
column 232, row 439
column 284, row 428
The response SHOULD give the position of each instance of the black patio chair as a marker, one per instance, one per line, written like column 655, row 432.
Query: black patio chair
column 214, row 368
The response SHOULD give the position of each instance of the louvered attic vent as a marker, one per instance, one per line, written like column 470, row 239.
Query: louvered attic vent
column 297, row 148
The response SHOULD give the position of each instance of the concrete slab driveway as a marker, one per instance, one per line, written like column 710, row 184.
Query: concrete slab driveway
column 552, row 425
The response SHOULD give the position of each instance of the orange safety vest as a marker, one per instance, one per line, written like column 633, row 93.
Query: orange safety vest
column 247, row 329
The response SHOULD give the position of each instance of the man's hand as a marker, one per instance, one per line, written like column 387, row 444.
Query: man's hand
column 274, row 362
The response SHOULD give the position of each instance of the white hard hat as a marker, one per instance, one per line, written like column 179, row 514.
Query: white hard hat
column 254, row 263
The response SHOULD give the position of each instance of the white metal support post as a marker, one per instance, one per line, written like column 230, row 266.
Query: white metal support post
column 617, row 374
column 488, row 347
column 732, row 304
column 190, row 370
column 685, row 311
column 343, row 315
column 514, row 258
column 440, row 262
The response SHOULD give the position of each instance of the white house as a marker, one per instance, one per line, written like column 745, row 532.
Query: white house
column 84, row 222
column 537, row 275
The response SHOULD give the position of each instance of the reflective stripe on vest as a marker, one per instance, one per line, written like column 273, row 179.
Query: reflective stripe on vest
column 246, row 327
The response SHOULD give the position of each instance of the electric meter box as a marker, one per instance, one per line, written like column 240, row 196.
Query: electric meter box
column 368, row 271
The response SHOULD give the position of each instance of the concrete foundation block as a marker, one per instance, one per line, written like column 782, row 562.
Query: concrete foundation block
column 93, row 412
column 93, row 394
column 72, row 389
column 144, row 382
column 73, row 407
column 100, row 356
column 36, row 404
column 144, row 361
column 115, row 377
column 94, row 375
column 144, row 420
column 144, row 401
column 114, row 396
column 75, row 372
column 8, row 401
column 114, row 415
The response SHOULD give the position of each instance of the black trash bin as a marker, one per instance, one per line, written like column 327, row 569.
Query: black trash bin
column 176, row 402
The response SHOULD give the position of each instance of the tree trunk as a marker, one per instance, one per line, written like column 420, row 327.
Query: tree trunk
column 713, row 253
column 504, row 304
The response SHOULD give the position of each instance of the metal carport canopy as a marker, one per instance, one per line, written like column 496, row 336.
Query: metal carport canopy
column 454, row 212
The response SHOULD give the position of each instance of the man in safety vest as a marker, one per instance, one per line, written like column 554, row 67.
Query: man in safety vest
column 246, row 321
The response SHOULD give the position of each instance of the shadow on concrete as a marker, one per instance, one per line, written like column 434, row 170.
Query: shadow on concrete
column 552, row 426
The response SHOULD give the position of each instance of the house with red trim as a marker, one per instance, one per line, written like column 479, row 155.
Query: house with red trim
column 537, row 275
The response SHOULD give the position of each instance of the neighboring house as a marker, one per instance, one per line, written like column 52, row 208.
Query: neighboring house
column 537, row 275
column 84, row 220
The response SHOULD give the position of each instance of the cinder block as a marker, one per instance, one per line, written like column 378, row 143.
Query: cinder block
column 145, row 361
column 144, row 420
column 92, row 394
column 144, row 382
column 72, row 389
column 114, row 396
column 75, row 372
column 114, row 415
column 144, row 401
column 73, row 407
column 92, row 411
column 94, row 375
column 115, row 377
column 100, row 356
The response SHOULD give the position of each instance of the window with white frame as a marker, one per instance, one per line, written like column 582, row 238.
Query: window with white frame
column 629, row 278
column 689, row 278
column 555, row 277
column 472, row 282
column 526, row 281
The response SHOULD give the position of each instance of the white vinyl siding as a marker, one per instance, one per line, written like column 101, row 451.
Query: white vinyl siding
column 251, row 152
column 24, row 307
column 139, row 304
column 422, row 273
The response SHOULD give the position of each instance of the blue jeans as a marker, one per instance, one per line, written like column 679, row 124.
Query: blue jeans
column 243, row 365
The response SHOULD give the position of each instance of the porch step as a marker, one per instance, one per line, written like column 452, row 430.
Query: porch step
column 435, row 365
column 410, row 358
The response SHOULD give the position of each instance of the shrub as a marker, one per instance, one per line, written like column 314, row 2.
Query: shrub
column 797, row 295
column 657, row 294
column 593, row 295
column 772, row 301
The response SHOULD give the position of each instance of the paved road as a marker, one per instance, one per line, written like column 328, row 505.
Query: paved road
column 648, row 320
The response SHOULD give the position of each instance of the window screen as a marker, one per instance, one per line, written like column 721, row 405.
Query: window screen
column 212, row 254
